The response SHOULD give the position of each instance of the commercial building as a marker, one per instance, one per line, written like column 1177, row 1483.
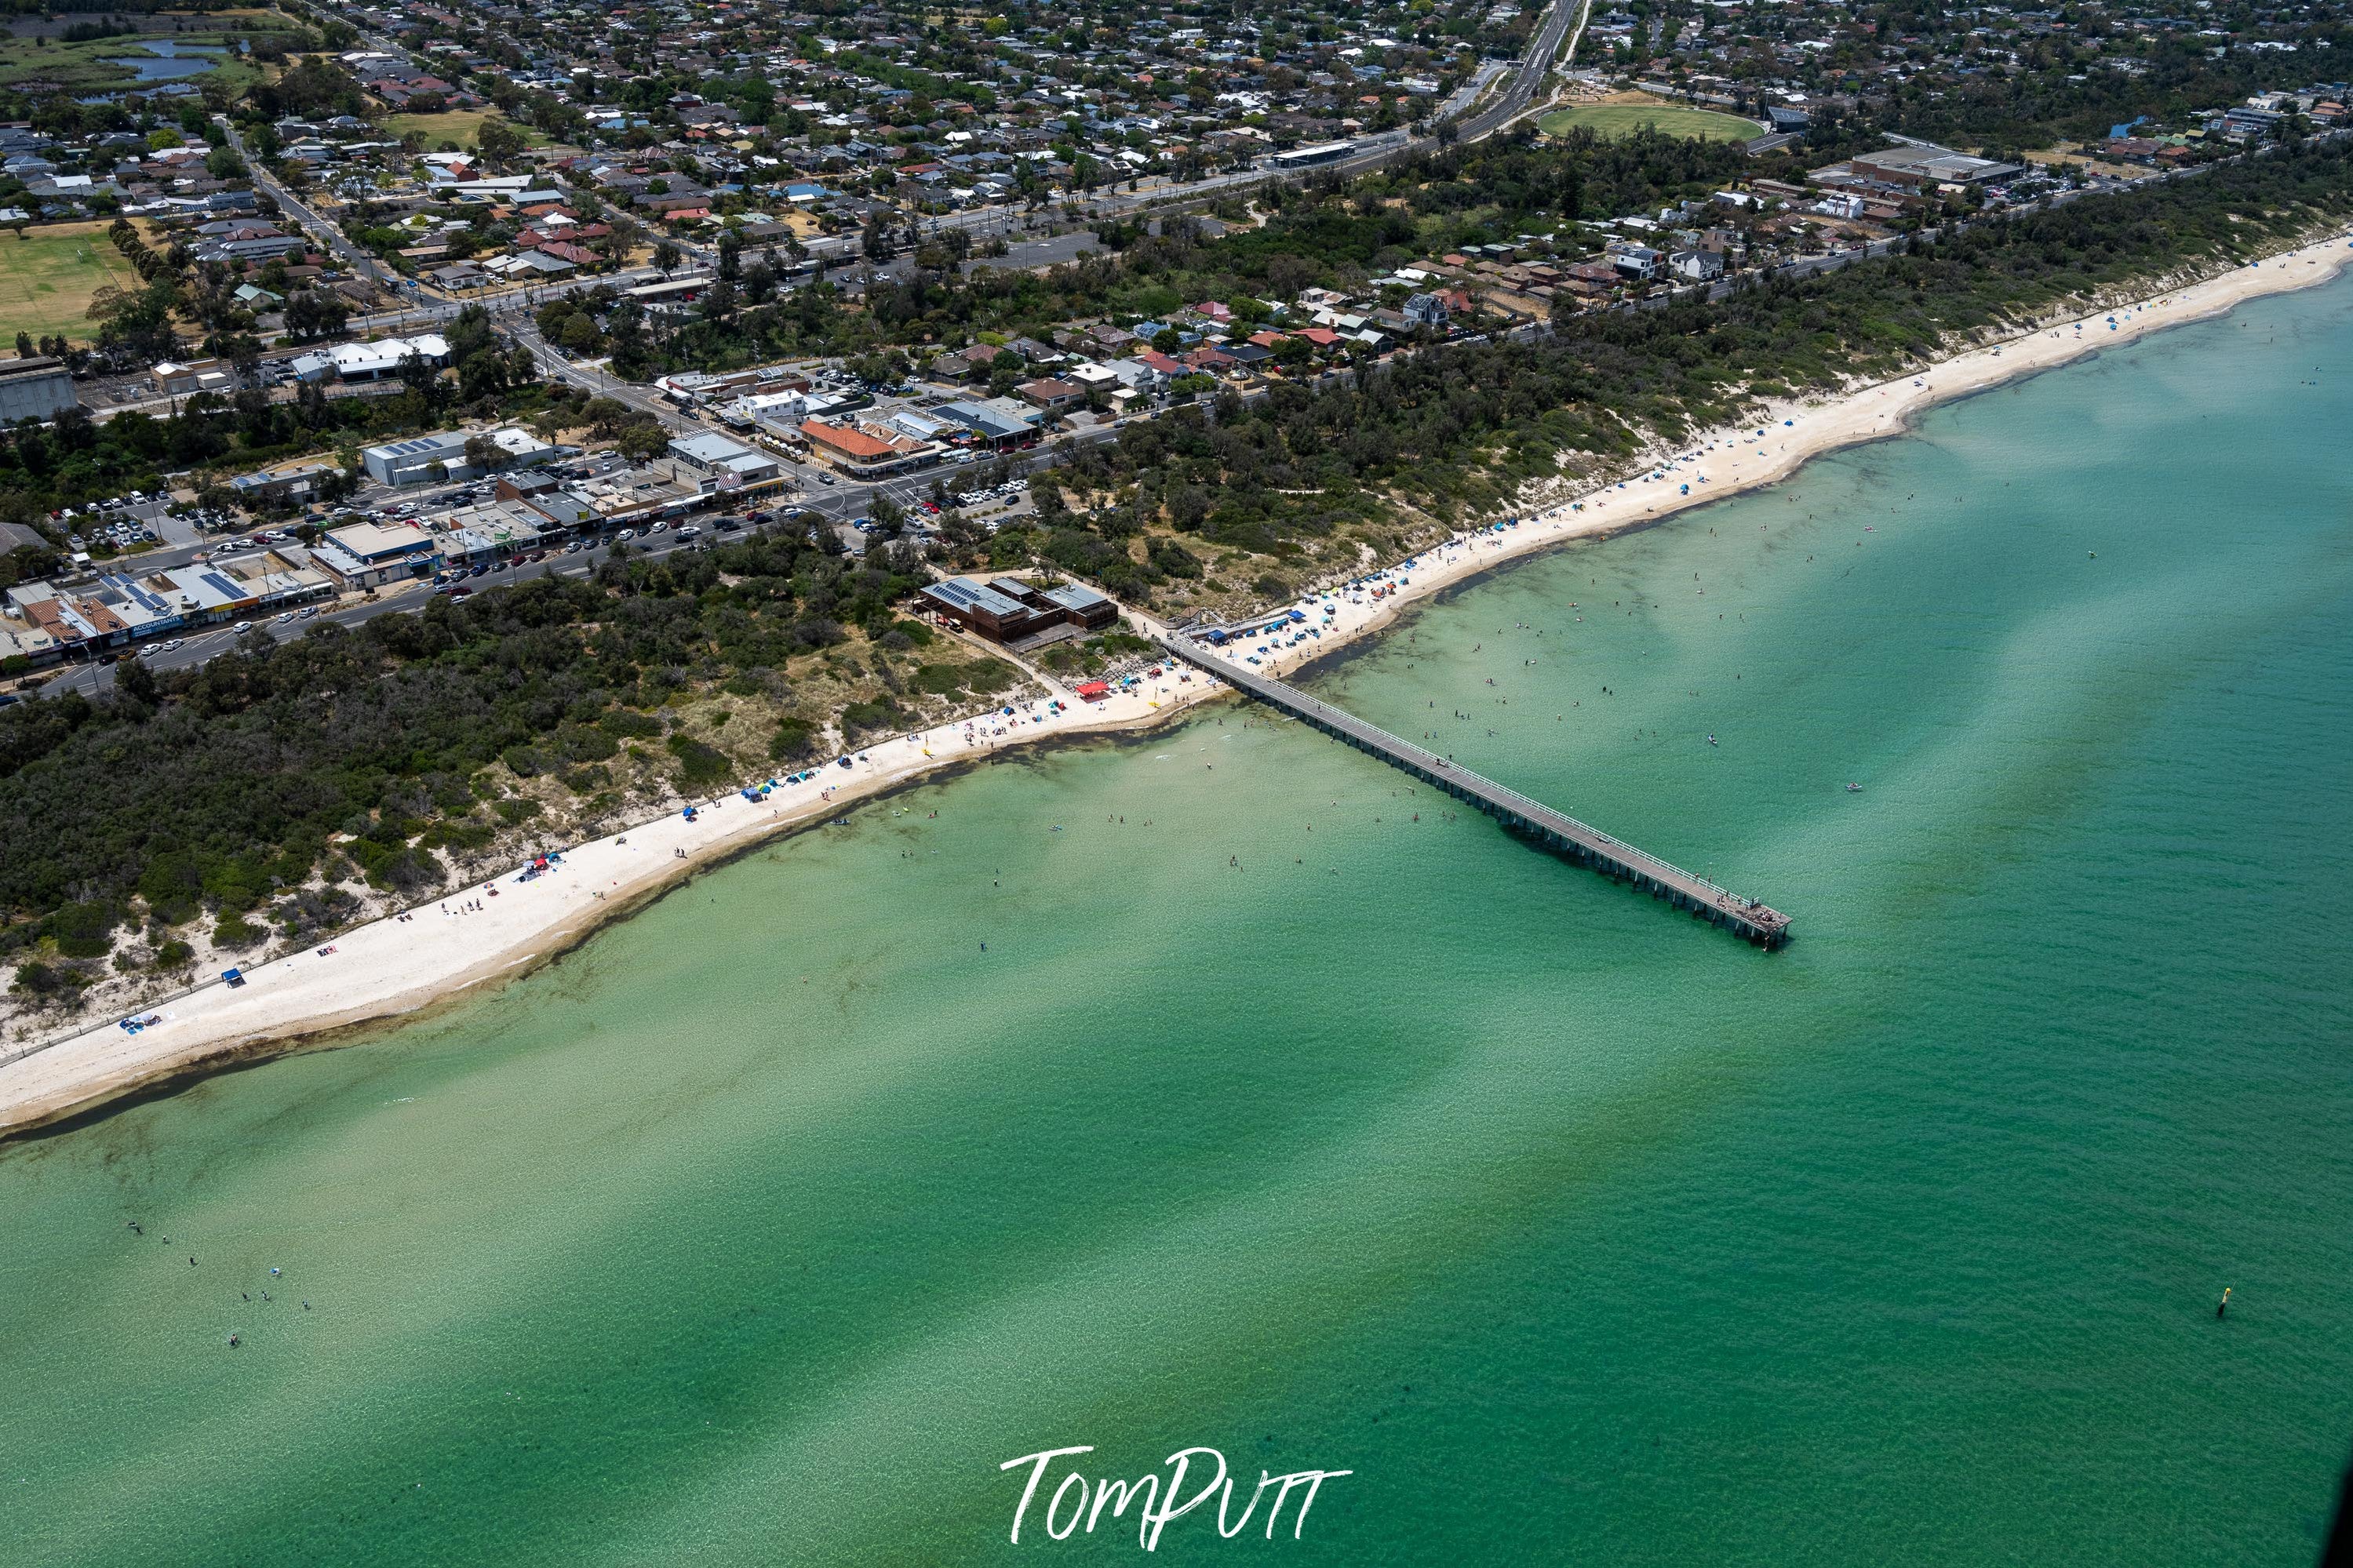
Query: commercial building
column 110, row 609
column 419, row 460
column 866, row 453
column 377, row 360
column 494, row 530
column 288, row 481
column 36, row 387
column 177, row 379
column 367, row 554
column 1310, row 157
column 711, row 462
column 998, row 423
column 1917, row 166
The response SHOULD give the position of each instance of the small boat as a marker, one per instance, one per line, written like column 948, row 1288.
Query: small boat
column 1710, row 739
column 1854, row 789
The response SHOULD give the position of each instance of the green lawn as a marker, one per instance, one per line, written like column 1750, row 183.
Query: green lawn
column 1624, row 119
column 462, row 126
column 47, row 279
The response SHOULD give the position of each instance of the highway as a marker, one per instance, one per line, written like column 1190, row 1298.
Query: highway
column 1525, row 76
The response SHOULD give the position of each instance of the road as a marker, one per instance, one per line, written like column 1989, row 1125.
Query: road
column 840, row 504
column 1531, row 69
column 331, row 238
column 554, row 362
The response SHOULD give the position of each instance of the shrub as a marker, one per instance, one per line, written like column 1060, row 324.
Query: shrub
column 863, row 716
column 174, row 954
column 988, row 677
column 624, row 721
column 527, row 762
column 699, row 765
column 1174, row 559
column 795, row 740
column 46, row 982
column 579, row 744
column 517, row 811
column 235, row 932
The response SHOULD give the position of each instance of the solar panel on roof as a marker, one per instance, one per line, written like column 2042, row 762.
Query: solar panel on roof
column 221, row 585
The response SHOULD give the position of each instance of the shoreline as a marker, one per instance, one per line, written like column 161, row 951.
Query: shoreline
column 403, row 965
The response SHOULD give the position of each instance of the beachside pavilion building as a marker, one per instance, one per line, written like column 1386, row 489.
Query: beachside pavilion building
column 1009, row 610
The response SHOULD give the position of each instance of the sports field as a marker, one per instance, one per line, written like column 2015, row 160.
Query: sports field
column 460, row 126
column 1625, row 118
column 47, row 279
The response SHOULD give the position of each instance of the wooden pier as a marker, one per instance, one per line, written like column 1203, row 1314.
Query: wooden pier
column 1555, row 830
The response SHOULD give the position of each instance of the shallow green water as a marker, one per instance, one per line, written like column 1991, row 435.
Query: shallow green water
column 1279, row 1117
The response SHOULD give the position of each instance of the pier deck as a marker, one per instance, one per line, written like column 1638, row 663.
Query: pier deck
column 1556, row 830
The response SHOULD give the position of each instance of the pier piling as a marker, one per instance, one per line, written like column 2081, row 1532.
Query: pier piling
column 1588, row 846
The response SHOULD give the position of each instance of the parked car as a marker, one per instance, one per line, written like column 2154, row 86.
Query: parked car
column 689, row 532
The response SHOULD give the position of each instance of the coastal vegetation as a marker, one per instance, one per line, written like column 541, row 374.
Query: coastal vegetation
column 1294, row 482
column 287, row 789
column 291, row 788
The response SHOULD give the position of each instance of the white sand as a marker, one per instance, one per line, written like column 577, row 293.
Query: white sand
column 396, row 966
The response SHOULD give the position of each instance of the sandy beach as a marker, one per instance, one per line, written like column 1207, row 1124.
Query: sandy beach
column 494, row 931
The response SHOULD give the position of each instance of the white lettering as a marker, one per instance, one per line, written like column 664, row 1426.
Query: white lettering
column 1242, row 1524
column 1288, row 1482
column 1314, row 1479
column 1170, row 1509
column 1158, row 1501
column 1307, row 1502
column 1149, row 1485
column 1043, row 1458
column 1073, row 1479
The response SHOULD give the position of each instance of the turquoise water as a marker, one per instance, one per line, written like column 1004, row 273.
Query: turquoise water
column 1288, row 1114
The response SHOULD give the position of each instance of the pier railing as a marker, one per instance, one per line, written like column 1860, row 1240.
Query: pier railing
column 1613, row 856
